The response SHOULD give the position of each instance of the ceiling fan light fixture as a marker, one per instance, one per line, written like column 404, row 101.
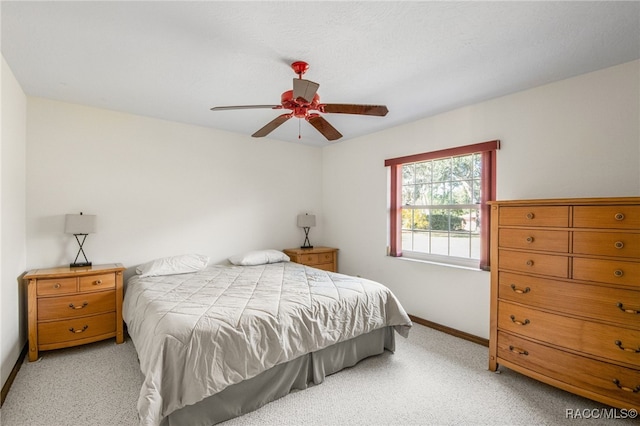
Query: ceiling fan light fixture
column 304, row 98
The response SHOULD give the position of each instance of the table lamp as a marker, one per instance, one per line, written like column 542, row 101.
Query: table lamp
column 306, row 221
column 80, row 225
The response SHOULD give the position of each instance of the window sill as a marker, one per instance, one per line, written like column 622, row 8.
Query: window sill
column 433, row 262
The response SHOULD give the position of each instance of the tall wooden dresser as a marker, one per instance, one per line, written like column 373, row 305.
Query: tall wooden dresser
column 565, row 294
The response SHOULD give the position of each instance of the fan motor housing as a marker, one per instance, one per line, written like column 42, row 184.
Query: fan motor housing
column 299, row 106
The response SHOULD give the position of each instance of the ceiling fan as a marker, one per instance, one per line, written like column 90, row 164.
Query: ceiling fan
column 301, row 101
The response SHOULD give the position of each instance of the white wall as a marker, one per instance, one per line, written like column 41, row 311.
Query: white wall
column 160, row 188
column 575, row 138
column 13, row 251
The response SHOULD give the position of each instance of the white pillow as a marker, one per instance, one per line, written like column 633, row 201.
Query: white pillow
column 182, row 264
column 259, row 257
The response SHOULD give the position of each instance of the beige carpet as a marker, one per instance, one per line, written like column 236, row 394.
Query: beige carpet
column 432, row 379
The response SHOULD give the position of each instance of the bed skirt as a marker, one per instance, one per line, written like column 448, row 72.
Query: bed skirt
column 280, row 380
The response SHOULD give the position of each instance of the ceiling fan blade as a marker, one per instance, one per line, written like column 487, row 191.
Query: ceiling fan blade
column 323, row 126
column 225, row 108
column 379, row 110
column 304, row 89
column 272, row 125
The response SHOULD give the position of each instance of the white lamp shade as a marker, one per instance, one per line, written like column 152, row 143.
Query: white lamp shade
column 306, row 220
column 80, row 224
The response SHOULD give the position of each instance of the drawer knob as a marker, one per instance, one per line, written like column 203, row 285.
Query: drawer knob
column 519, row 290
column 625, row 388
column 628, row 311
column 73, row 330
column 619, row 216
column 97, row 282
column 619, row 344
column 618, row 244
column 518, row 351
column 530, row 216
column 515, row 321
column 529, row 240
column 72, row 306
column 618, row 273
column 57, row 285
column 529, row 262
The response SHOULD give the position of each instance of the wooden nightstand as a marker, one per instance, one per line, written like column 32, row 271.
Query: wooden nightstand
column 319, row 257
column 73, row 306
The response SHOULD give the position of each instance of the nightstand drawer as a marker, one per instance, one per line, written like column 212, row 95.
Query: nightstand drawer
column 97, row 282
column 77, row 305
column 309, row 259
column 325, row 266
column 50, row 287
column 76, row 329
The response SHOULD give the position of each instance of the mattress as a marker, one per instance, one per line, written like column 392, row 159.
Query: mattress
column 197, row 334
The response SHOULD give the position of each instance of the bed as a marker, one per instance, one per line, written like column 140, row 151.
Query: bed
column 218, row 341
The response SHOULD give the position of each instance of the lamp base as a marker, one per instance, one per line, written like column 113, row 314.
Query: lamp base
column 80, row 265
column 306, row 247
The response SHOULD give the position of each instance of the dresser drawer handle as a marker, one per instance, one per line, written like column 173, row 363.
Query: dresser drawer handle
column 518, row 351
column 57, row 285
column 619, row 216
column 628, row 311
column 618, row 273
column 529, row 240
column 84, row 304
column 529, row 262
column 73, row 330
column 619, row 344
column 626, row 389
column 530, row 216
column 618, row 244
column 520, row 291
column 97, row 282
column 515, row 321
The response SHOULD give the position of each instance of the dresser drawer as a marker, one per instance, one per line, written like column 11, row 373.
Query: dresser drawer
column 575, row 370
column 50, row 308
column 553, row 216
column 589, row 301
column 97, row 282
column 75, row 329
column 607, row 271
column 50, row 287
column 607, row 341
column 534, row 263
column 618, row 244
column 613, row 217
column 534, row 239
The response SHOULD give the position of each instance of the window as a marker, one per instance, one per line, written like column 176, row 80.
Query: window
column 438, row 208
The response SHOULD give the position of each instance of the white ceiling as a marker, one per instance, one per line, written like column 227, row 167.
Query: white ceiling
column 175, row 59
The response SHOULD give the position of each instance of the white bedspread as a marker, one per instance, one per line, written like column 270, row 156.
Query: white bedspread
column 198, row 333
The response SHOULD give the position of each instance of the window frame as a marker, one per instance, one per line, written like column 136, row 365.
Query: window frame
column 488, row 151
